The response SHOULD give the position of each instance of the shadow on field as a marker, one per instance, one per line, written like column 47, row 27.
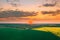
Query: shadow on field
column 16, row 34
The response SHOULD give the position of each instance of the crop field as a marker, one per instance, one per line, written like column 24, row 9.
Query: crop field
column 29, row 32
column 54, row 30
column 34, row 34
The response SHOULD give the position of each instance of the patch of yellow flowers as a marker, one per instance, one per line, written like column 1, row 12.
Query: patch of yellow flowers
column 54, row 30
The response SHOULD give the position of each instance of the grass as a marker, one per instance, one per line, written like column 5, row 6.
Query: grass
column 35, row 32
column 16, row 34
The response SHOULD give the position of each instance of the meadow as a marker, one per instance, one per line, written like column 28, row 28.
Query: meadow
column 29, row 32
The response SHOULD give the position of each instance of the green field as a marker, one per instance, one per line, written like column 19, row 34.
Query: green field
column 34, row 32
column 17, row 34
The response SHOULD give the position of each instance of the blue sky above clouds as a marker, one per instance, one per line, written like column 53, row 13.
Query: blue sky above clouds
column 29, row 4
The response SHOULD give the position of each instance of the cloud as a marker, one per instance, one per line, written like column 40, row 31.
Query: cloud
column 54, row 13
column 11, row 13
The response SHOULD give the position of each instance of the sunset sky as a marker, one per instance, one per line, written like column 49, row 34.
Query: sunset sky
column 29, row 5
column 33, row 5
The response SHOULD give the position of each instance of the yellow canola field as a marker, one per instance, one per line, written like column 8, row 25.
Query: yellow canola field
column 54, row 30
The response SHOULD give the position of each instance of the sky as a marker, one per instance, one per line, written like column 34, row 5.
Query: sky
column 33, row 5
column 28, row 5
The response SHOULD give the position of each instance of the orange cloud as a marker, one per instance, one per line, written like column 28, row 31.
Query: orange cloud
column 39, row 17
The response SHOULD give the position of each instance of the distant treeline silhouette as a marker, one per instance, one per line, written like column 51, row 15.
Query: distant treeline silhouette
column 27, row 26
column 12, row 13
